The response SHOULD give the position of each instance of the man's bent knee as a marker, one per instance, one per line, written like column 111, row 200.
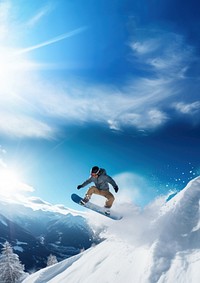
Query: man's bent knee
column 92, row 190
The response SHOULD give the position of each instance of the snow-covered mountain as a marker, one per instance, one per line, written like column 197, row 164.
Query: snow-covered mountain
column 159, row 244
column 36, row 229
column 24, row 243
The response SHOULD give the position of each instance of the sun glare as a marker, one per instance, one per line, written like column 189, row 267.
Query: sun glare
column 7, row 60
column 10, row 182
column 11, row 62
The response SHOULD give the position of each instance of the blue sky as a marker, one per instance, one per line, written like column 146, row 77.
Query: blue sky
column 108, row 83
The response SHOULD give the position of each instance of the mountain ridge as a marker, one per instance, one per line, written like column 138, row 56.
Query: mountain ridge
column 40, row 229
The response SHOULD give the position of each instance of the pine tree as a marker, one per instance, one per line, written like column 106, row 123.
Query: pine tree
column 51, row 260
column 10, row 267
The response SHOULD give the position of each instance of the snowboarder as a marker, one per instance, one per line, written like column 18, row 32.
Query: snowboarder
column 101, row 180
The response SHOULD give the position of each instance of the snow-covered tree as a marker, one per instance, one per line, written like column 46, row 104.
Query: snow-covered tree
column 51, row 260
column 11, row 270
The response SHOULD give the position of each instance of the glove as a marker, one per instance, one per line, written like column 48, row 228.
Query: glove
column 79, row 187
column 116, row 189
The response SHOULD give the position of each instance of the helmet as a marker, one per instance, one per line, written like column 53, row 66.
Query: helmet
column 94, row 170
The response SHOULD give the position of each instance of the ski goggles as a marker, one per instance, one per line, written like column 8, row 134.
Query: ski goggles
column 95, row 174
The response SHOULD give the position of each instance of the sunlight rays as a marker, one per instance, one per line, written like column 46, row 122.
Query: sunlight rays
column 11, row 183
column 22, row 114
column 53, row 40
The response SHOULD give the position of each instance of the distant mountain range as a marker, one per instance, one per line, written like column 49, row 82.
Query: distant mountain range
column 36, row 229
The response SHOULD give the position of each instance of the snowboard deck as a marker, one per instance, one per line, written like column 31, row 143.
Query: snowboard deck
column 113, row 215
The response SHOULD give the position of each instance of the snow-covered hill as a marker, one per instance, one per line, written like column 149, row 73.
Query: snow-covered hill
column 159, row 244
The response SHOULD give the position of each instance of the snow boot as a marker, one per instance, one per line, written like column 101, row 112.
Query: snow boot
column 85, row 200
column 107, row 211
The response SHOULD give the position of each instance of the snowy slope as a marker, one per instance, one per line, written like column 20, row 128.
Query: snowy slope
column 160, row 244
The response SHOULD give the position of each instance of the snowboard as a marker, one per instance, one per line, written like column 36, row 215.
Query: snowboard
column 113, row 215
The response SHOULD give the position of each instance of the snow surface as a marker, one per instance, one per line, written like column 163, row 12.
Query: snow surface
column 157, row 244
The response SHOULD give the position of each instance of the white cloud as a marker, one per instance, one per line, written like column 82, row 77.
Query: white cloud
column 188, row 108
column 145, row 46
column 12, row 124
column 165, row 52
column 39, row 15
column 148, row 120
column 31, row 101
column 26, row 188
column 129, row 185
column 133, row 188
column 31, row 106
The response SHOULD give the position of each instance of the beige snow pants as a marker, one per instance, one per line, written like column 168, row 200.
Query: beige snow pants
column 106, row 194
